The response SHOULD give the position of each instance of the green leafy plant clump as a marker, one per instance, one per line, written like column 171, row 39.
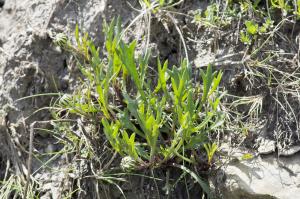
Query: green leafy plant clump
column 253, row 30
column 150, row 116
column 151, row 119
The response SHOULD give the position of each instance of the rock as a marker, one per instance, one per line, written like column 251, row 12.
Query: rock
column 263, row 178
column 266, row 147
column 290, row 151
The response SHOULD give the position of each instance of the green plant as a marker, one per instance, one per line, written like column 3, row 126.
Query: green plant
column 253, row 29
column 297, row 12
column 147, row 119
column 287, row 6
column 267, row 25
column 281, row 4
column 245, row 38
column 213, row 16
column 251, row 32
column 210, row 151
column 247, row 5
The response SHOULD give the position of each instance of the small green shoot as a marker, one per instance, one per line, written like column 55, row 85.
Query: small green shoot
column 251, row 27
column 210, row 151
column 247, row 156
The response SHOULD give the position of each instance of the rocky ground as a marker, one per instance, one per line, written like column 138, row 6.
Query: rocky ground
column 31, row 64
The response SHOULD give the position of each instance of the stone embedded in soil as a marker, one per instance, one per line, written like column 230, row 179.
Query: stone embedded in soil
column 290, row 151
column 266, row 147
column 263, row 178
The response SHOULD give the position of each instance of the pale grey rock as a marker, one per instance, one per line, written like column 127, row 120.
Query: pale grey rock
column 267, row 177
column 290, row 151
column 266, row 147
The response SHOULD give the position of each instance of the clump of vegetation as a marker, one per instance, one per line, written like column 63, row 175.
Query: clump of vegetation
column 253, row 30
column 150, row 116
column 214, row 16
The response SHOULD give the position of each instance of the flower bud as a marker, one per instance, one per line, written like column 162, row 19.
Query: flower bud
column 128, row 163
column 60, row 40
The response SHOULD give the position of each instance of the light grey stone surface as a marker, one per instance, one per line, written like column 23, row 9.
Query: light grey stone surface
column 264, row 178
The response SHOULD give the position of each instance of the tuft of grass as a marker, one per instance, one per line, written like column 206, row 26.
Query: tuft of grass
column 13, row 187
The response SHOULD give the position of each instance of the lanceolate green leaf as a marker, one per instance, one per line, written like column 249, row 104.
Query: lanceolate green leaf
column 127, row 123
column 112, row 133
column 102, row 90
column 163, row 77
column 77, row 35
column 216, row 82
column 207, row 81
column 127, row 56
column 204, row 185
column 129, row 145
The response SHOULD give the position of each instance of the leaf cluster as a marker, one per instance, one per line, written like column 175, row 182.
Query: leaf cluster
column 153, row 116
